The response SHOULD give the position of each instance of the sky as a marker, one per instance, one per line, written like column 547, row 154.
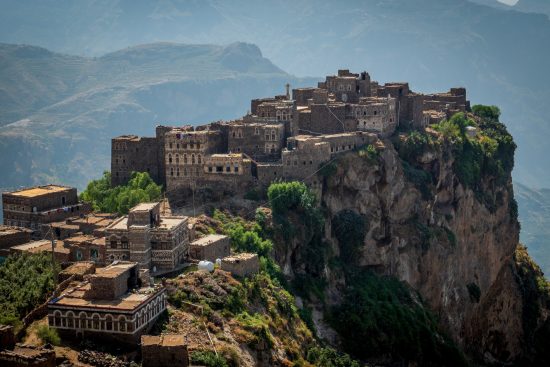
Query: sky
column 508, row 2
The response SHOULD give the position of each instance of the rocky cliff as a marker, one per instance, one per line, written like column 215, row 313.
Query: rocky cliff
column 437, row 213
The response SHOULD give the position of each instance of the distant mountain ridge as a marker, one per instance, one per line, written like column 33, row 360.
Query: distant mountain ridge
column 463, row 44
column 60, row 111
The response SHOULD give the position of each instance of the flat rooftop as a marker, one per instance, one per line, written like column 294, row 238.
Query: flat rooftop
column 114, row 270
column 41, row 246
column 39, row 191
column 74, row 297
column 166, row 340
column 120, row 223
column 239, row 257
column 207, row 240
column 171, row 222
column 9, row 230
column 144, row 207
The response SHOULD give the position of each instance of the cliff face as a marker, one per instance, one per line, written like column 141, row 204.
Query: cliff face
column 453, row 244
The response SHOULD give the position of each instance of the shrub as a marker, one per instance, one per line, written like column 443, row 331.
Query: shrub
column 328, row 357
column 141, row 188
column 491, row 113
column 48, row 336
column 208, row 358
column 414, row 145
column 368, row 152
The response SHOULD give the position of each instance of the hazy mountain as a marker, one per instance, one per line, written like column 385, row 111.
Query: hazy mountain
column 72, row 106
column 433, row 44
column 534, row 214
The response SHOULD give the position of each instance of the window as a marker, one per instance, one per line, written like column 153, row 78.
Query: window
column 177, row 159
column 170, row 145
column 236, row 169
column 177, row 145
column 209, row 168
column 122, row 323
column 78, row 255
column 199, row 159
column 169, row 158
column 178, row 172
column 124, row 242
column 192, row 159
column 114, row 243
column 227, row 169
column 185, row 159
column 94, row 254
column 172, row 172
column 63, row 200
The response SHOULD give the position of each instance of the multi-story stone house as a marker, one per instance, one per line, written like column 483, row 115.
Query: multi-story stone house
column 152, row 240
column 38, row 206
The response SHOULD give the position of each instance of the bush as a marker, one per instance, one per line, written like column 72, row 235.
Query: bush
column 414, row 145
column 141, row 188
column 48, row 336
column 328, row 357
column 368, row 152
column 208, row 358
column 491, row 113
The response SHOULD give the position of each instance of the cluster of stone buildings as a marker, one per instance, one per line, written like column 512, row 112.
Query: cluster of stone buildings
column 281, row 137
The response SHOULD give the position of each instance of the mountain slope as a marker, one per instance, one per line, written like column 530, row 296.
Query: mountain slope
column 495, row 53
column 81, row 103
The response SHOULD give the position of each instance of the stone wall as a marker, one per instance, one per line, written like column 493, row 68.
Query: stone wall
column 164, row 351
column 210, row 248
column 13, row 236
column 241, row 265
column 26, row 355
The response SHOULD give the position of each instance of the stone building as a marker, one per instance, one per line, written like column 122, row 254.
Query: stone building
column 257, row 140
column 165, row 350
column 87, row 248
column 111, row 304
column 12, row 236
column 37, row 206
column 210, row 247
column 152, row 240
column 22, row 355
column 241, row 265
column 263, row 142
column 62, row 253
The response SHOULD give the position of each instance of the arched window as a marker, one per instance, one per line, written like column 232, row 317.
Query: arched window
column 169, row 158
column 109, row 322
column 124, row 242
column 185, row 159
column 172, row 171
column 273, row 135
column 113, row 241
column 82, row 319
column 57, row 318
column 70, row 319
column 96, row 322
column 199, row 159
column 177, row 159
column 178, row 172
column 122, row 323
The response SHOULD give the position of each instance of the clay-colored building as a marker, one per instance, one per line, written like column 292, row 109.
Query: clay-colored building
column 165, row 350
column 154, row 241
column 12, row 236
column 62, row 253
column 241, row 265
column 111, row 304
column 210, row 247
column 37, row 206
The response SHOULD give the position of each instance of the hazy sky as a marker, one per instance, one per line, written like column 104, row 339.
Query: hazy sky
column 509, row 2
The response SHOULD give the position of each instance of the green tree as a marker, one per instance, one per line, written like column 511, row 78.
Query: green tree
column 141, row 188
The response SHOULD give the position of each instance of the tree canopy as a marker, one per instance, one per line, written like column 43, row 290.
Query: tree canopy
column 119, row 199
